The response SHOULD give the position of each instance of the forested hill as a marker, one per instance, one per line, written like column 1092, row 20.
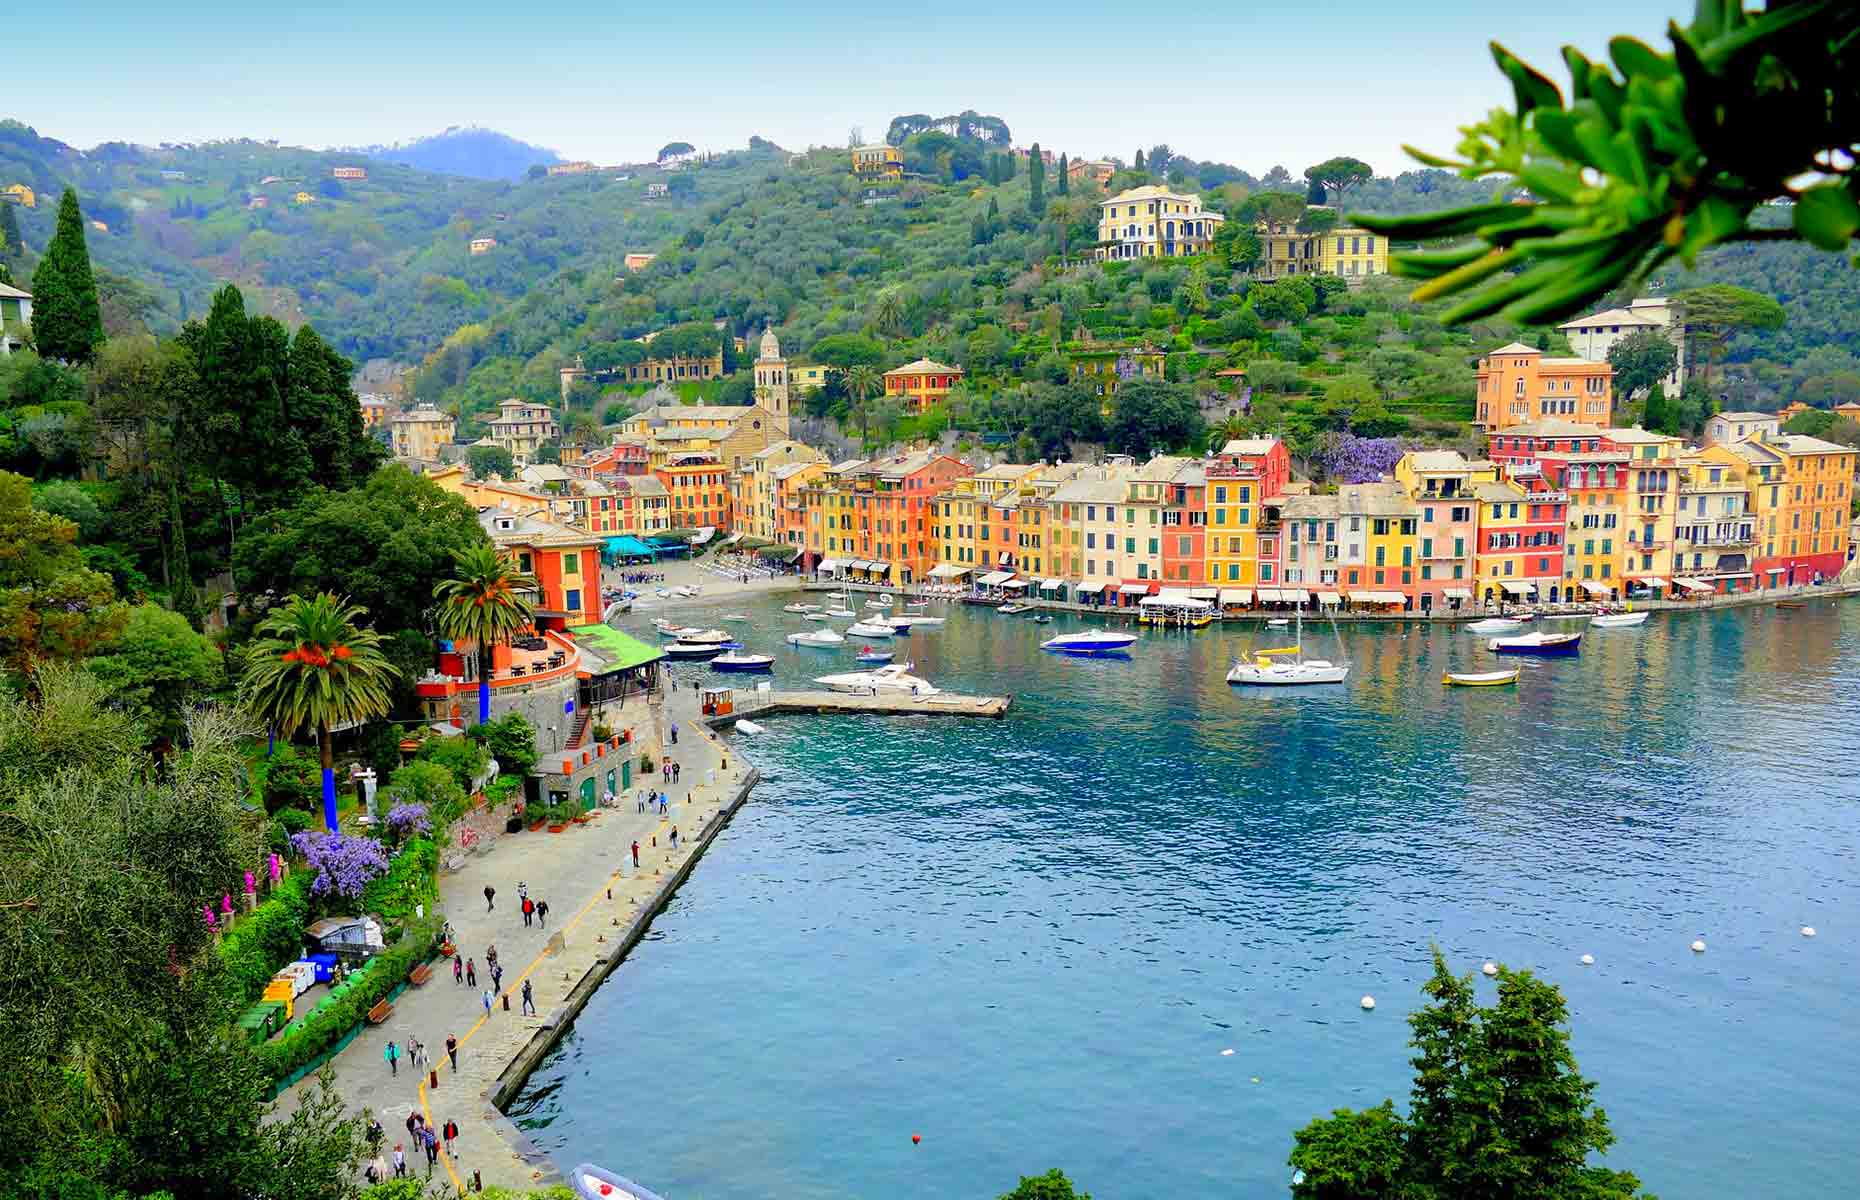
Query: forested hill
column 472, row 152
column 381, row 265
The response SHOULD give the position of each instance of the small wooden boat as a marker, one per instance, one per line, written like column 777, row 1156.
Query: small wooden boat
column 868, row 655
column 1481, row 678
column 1790, row 604
column 593, row 1183
column 1014, row 610
column 1537, row 643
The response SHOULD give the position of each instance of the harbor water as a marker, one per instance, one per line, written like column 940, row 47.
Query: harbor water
column 1030, row 941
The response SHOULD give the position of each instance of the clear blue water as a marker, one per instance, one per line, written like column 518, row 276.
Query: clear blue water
column 1030, row 940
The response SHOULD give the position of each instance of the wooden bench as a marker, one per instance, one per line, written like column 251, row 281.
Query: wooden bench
column 380, row 1012
column 420, row 974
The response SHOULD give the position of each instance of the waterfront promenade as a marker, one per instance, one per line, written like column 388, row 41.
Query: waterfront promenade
column 576, row 871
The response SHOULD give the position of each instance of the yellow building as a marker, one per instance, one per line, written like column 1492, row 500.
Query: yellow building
column 809, row 378
column 879, row 162
column 1102, row 370
column 420, row 432
column 920, row 384
column 728, row 432
column 1817, row 492
column 1246, row 481
column 1650, row 499
column 1351, row 252
column 1714, row 534
column 755, row 510
column 1154, row 222
column 19, row 193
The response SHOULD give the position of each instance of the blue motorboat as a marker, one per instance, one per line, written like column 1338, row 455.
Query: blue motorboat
column 1101, row 641
column 869, row 655
column 742, row 663
column 1538, row 643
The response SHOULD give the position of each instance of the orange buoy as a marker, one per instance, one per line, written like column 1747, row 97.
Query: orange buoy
column 916, row 1138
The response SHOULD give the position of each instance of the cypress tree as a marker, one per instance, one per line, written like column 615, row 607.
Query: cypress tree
column 1064, row 173
column 67, row 322
column 1036, row 182
column 10, row 242
column 1140, row 159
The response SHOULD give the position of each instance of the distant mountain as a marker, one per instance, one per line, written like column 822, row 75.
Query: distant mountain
column 469, row 151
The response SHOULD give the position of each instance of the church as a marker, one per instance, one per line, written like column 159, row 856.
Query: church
column 730, row 434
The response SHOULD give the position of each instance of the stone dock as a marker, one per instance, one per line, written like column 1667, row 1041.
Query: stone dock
column 757, row 705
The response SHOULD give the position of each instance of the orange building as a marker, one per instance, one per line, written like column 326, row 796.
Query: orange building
column 871, row 520
column 565, row 562
column 922, row 383
column 1518, row 385
column 700, row 494
column 1809, row 542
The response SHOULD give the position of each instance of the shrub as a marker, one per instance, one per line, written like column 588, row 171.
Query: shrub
column 646, row 765
column 462, row 756
column 603, row 731
column 287, row 824
column 267, row 938
column 343, row 864
column 292, row 778
column 430, row 785
column 411, row 880
column 511, row 739
column 407, row 820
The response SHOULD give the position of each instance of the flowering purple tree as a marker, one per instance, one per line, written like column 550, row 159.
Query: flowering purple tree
column 407, row 820
column 1346, row 458
column 343, row 865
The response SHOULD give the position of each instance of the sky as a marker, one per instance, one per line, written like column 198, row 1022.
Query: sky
column 1245, row 83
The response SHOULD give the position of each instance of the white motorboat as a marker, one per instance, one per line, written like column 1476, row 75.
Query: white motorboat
column 894, row 678
column 733, row 617
column 593, row 1183
column 882, row 600
column 705, row 637
column 868, row 655
column 871, row 628
column 1095, row 642
column 820, row 616
column 1014, row 610
column 816, row 637
column 668, row 630
column 692, row 651
column 1279, row 623
column 840, row 611
column 750, row 727
column 1494, row 626
column 1618, row 620
column 685, row 591
column 1287, row 666
column 800, row 608
column 910, row 621
column 740, row 662
column 1538, row 642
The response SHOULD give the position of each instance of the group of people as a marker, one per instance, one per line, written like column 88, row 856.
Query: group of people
column 420, row 1132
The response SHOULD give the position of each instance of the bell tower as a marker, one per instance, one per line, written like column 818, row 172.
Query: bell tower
column 772, row 380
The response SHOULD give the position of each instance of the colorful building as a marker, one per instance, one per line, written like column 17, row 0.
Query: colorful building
column 1517, row 384
column 1102, row 370
column 420, row 432
column 1724, row 427
column 1520, row 547
column 565, row 562
column 1242, row 478
column 920, row 384
column 523, row 428
column 1651, row 502
column 880, row 162
column 1810, row 523
column 756, row 491
column 699, row 494
column 20, row 194
column 1351, row 252
column 1593, row 336
column 1154, row 222
column 872, row 520
column 1714, row 532
column 15, row 318
column 1441, row 484
column 478, row 245
column 1596, row 483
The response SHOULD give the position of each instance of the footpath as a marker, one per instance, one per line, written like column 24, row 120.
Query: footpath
column 599, row 904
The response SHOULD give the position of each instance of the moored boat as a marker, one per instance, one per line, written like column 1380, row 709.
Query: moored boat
column 1494, row 625
column 798, row 607
column 816, row 637
column 871, row 627
column 868, row 654
column 740, row 662
column 894, row 678
column 1101, row 641
column 592, row 1183
column 1012, row 610
column 1287, row 666
column 1537, row 643
column 691, row 651
column 1481, row 678
column 1620, row 620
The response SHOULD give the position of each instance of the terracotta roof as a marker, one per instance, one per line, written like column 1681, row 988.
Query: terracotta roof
column 1551, row 427
column 923, row 366
column 1611, row 316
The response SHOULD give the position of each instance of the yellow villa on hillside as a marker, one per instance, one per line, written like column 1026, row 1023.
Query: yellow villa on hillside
column 878, row 162
column 1154, row 222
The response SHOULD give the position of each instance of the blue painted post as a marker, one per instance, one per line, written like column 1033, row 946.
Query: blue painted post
column 329, row 798
column 484, row 699
column 271, row 740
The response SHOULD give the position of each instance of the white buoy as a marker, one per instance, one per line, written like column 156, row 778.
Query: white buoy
column 1255, row 1079
column 1227, row 1054
column 1369, row 1002
column 1698, row 947
column 1490, row 969
column 1588, row 960
column 1808, row 931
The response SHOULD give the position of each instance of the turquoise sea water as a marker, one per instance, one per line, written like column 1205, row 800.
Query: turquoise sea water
column 1030, row 940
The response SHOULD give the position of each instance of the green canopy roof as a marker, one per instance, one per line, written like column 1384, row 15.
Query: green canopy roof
column 619, row 650
column 629, row 546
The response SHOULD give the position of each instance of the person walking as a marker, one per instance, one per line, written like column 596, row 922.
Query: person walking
column 674, row 837
column 529, row 1001
column 400, row 1162
column 487, row 1002
column 392, row 1054
column 432, row 1149
column 413, row 1052
column 636, row 854
column 523, row 890
column 677, row 770
column 529, row 909
column 452, row 1133
column 674, row 733
column 490, row 954
column 666, row 770
column 452, row 1050
column 490, row 897
column 375, row 1134
column 542, row 913
column 458, row 970
column 497, row 979
column 413, row 1120
column 471, row 971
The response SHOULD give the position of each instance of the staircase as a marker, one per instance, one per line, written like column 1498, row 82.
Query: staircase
column 581, row 731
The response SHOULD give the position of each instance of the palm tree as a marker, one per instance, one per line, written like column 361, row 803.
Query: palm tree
column 484, row 604
column 888, row 313
column 861, row 382
column 311, row 666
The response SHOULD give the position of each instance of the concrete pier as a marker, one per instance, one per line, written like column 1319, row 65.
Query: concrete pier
column 757, row 705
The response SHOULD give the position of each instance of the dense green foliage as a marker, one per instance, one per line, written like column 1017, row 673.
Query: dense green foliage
column 267, row 938
column 67, row 322
column 345, row 1007
column 1498, row 1110
column 1051, row 1186
column 1653, row 157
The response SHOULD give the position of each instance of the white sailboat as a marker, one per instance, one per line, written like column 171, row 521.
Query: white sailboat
column 1287, row 666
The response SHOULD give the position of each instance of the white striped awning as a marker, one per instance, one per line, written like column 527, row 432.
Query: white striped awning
column 1595, row 589
column 829, row 564
column 1738, row 575
column 1018, row 583
column 879, row 568
column 1376, row 598
column 947, row 571
column 1134, row 589
column 1330, row 599
column 1513, row 587
column 1283, row 595
column 1651, row 581
column 1205, row 593
column 1695, row 585
column 995, row 578
column 1051, row 585
column 1090, row 589
column 1457, row 593
column 1236, row 596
